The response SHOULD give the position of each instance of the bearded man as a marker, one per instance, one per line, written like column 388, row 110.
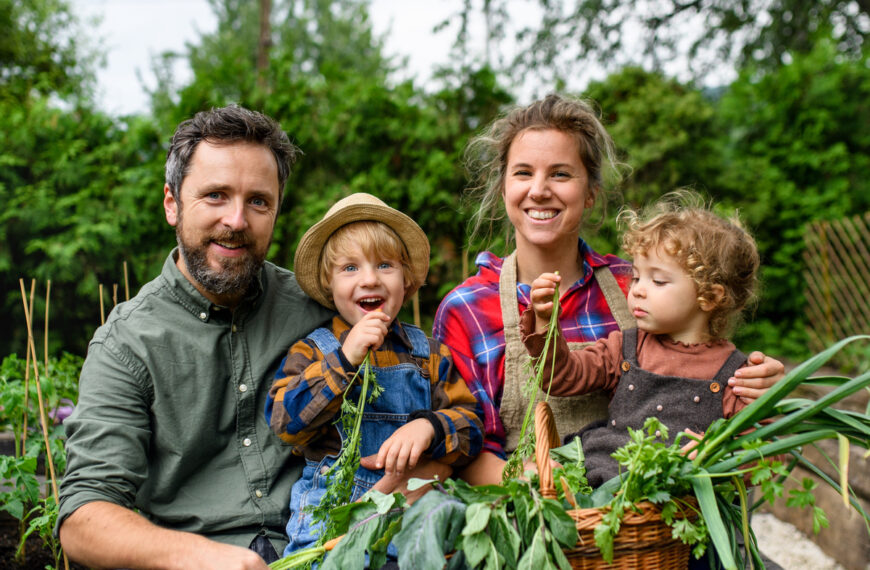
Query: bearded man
column 170, row 463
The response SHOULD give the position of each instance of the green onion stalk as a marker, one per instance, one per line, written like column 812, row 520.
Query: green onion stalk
column 526, row 442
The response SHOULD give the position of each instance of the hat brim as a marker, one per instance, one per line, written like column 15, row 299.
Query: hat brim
column 306, row 263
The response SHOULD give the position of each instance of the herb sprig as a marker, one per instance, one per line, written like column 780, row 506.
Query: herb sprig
column 340, row 478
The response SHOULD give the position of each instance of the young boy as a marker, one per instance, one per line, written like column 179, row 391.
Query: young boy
column 693, row 273
column 365, row 259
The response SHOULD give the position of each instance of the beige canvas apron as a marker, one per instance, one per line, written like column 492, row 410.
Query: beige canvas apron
column 573, row 412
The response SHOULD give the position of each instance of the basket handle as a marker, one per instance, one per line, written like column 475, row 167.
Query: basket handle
column 546, row 437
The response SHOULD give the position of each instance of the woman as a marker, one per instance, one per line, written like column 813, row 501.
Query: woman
column 545, row 164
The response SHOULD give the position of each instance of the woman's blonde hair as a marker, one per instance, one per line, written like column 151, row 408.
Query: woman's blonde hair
column 375, row 239
column 711, row 249
column 486, row 154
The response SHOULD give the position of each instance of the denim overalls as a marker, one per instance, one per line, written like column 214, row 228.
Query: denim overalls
column 406, row 390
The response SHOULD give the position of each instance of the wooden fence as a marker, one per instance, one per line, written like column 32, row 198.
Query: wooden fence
column 837, row 277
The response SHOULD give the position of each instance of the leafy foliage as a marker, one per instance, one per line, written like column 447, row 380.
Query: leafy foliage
column 340, row 478
column 707, row 34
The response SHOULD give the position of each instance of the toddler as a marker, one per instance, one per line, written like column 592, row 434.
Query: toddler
column 365, row 259
column 693, row 272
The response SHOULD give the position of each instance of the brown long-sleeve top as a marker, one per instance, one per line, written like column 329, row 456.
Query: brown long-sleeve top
column 597, row 366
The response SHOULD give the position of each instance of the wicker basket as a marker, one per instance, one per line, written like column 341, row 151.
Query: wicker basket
column 644, row 540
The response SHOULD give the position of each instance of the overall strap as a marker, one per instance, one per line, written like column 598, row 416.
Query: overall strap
column 325, row 340
column 419, row 342
column 734, row 362
column 629, row 345
column 615, row 298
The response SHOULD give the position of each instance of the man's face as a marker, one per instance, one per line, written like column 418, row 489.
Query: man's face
column 224, row 217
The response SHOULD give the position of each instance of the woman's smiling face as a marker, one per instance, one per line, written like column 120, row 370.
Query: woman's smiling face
column 546, row 189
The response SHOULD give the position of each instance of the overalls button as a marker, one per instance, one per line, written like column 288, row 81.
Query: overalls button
column 714, row 387
column 625, row 366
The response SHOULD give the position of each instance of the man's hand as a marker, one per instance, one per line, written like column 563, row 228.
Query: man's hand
column 403, row 449
column 751, row 382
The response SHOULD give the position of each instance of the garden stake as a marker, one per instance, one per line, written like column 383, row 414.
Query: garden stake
column 102, row 312
column 32, row 349
column 126, row 283
column 26, row 370
column 47, row 296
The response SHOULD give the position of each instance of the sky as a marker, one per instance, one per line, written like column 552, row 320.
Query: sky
column 133, row 31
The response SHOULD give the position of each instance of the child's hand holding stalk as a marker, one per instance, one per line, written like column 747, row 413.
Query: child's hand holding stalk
column 543, row 289
column 367, row 334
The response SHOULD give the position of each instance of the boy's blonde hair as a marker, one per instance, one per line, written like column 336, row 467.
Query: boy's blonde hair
column 374, row 239
column 711, row 249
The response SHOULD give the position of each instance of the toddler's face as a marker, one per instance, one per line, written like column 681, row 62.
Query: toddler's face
column 361, row 284
column 664, row 299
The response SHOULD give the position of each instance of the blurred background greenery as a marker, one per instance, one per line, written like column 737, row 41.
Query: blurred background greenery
column 786, row 143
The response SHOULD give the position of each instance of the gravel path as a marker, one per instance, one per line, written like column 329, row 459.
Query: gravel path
column 789, row 547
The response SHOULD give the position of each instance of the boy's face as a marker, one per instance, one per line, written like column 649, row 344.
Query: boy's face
column 362, row 284
column 664, row 299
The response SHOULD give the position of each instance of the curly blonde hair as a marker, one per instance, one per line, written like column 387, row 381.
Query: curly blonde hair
column 712, row 250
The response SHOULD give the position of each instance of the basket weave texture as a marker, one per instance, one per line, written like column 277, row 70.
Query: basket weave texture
column 644, row 540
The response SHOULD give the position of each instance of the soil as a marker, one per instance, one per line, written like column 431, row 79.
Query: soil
column 36, row 555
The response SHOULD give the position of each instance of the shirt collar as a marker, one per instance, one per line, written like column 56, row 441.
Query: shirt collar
column 591, row 260
column 191, row 299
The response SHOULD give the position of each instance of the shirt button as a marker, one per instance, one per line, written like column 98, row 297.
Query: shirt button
column 243, row 387
column 659, row 408
column 658, row 433
column 246, row 442
column 234, row 328
column 259, row 493
column 613, row 422
column 202, row 316
column 696, row 399
column 631, row 387
column 324, row 470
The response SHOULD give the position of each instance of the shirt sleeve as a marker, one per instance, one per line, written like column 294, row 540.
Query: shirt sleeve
column 109, row 433
column 450, row 330
column 574, row 372
column 456, row 411
column 306, row 393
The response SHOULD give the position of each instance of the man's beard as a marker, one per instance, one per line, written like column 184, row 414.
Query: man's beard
column 235, row 274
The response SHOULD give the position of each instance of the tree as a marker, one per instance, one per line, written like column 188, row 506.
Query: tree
column 42, row 51
column 797, row 150
column 569, row 35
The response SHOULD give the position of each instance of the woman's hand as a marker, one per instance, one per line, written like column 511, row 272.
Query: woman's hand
column 543, row 289
column 750, row 382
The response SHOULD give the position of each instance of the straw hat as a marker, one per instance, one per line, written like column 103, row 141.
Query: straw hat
column 358, row 207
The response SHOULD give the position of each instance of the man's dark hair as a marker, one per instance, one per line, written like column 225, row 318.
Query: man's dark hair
column 228, row 125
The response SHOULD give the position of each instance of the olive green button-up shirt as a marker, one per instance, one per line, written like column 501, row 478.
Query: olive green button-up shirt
column 170, row 413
